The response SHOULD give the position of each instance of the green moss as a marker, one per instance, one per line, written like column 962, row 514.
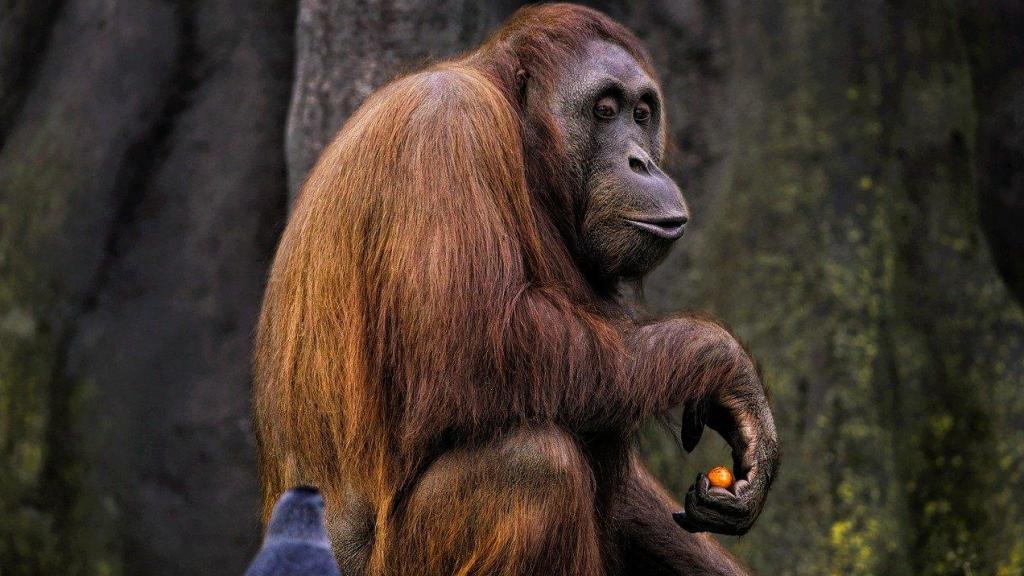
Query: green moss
column 50, row 520
column 845, row 249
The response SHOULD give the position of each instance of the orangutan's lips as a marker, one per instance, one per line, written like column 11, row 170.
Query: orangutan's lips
column 669, row 227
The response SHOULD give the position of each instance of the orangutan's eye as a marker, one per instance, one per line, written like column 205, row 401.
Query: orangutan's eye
column 642, row 113
column 606, row 108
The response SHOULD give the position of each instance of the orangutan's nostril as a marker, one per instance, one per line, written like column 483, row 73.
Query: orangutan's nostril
column 638, row 166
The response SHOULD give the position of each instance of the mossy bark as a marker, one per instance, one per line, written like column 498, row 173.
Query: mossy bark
column 58, row 171
column 129, row 112
column 845, row 246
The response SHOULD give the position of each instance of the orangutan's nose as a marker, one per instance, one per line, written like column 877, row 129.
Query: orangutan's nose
column 639, row 166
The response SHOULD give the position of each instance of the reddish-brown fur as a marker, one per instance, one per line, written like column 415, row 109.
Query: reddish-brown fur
column 430, row 345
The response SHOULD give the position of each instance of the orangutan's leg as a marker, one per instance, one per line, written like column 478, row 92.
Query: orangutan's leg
column 522, row 505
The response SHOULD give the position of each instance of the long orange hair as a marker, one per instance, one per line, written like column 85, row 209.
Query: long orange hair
column 427, row 290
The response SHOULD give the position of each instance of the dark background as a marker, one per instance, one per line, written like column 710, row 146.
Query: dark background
column 856, row 173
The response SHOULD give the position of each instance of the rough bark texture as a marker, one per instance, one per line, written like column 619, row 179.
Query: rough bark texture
column 143, row 186
column 845, row 245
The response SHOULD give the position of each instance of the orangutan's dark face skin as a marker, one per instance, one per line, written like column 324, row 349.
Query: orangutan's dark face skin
column 613, row 124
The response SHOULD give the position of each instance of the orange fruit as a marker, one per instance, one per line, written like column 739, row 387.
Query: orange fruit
column 720, row 476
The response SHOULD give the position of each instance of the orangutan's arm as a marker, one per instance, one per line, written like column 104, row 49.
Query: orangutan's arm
column 695, row 362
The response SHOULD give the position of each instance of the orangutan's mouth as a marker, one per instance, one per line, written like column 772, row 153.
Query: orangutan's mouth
column 669, row 227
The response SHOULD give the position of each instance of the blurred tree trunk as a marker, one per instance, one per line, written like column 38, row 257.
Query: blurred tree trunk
column 23, row 30
column 142, row 187
column 994, row 36
column 845, row 245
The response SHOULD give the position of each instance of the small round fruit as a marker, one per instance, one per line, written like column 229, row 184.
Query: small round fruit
column 720, row 477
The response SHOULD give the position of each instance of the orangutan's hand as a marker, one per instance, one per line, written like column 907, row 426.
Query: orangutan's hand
column 742, row 416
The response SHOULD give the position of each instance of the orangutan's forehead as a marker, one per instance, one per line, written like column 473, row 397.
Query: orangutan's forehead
column 603, row 61
column 602, row 67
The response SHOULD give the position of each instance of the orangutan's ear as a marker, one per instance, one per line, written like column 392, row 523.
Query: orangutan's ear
column 521, row 77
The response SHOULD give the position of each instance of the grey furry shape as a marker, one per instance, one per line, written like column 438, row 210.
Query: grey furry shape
column 296, row 543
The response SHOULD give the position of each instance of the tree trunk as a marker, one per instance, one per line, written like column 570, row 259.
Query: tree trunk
column 142, row 188
column 845, row 245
